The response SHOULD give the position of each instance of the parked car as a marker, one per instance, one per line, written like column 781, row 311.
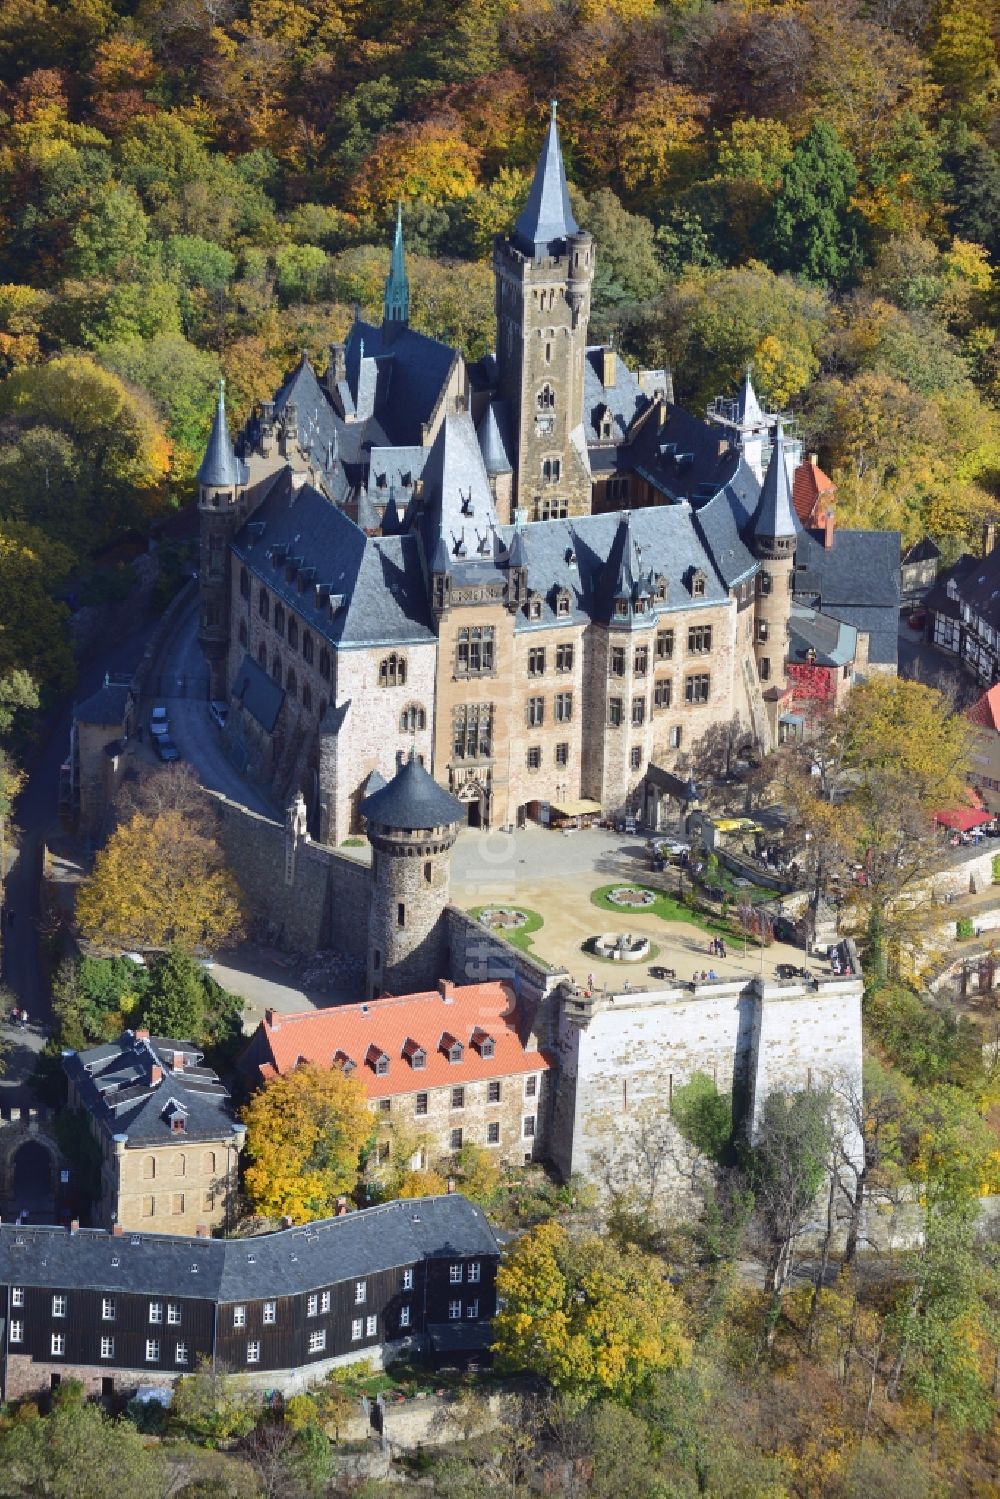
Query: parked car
column 166, row 749
column 218, row 712
column 158, row 725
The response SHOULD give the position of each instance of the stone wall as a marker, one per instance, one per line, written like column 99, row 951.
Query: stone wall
column 475, row 954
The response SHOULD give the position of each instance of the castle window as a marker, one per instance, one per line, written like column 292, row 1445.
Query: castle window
column 291, row 685
column 617, row 660
column 764, row 667
column 307, row 647
column 293, row 633
column 534, row 757
column 472, row 735
column 400, row 914
column 244, row 583
column 412, row 719
column 535, row 712
column 279, row 619
column 276, row 667
column 307, row 697
column 264, row 605
column 638, row 711
column 536, row 662
column 697, row 688
column 621, row 608
column 474, row 654
column 641, row 662
column 551, row 470
column 428, row 871
column 698, row 581
column 699, row 640
column 548, row 353
column 763, row 582
column 564, row 707
column 324, row 664
column 615, row 712
column 243, row 633
column 635, row 757
column 664, row 645
column 762, row 629
column 392, row 671
column 660, row 587
column 564, row 658
column 562, row 755
column 534, row 608
column 562, row 604
column 607, row 426
column 262, row 655
column 675, row 737
column 546, row 398
column 661, row 694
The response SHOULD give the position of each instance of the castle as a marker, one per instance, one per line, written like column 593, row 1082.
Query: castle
column 535, row 572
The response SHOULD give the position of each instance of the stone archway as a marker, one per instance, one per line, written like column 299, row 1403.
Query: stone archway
column 33, row 1170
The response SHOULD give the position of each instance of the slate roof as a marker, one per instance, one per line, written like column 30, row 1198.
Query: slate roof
column 396, row 1027
column 293, row 1261
column 412, row 799
column 937, row 600
column 834, row 642
column 133, row 1087
column 324, row 439
column 546, row 220
column 106, row 707
column 351, row 589
column 923, row 550
column 457, row 499
column 493, row 433
column 259, row 694
column 220, row 467
column 775, row 514
column 397, row 377
column 855, row 580
column 979, row 586
column 624, row 400
column 685, row 458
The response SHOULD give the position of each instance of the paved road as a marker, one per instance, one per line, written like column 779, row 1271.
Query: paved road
column 178, row 676
column 36, row 812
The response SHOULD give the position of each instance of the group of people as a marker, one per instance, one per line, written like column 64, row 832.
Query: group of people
column 717, row 947
column 19, row 1017
column 707, row 973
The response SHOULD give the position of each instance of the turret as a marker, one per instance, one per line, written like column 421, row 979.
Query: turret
column 440, row 578
column 772, row 537
column 396, row 302
column 222, row 480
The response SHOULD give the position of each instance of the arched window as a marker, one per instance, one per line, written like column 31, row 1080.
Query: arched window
column 244, row 583
column 262, row 655
column 264, row 605
column 392, row 671
column 324, row 664
column 307, row 647
column 243, row 632
column 276, row 667
column 279, row 619
column 546, row 398
column 291, row 686
column 293, row 633
column 307, row 696
column 412, row 719
column 209, row 1162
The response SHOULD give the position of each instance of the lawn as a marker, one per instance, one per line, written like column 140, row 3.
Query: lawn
column 518, row 936
column 667, row 907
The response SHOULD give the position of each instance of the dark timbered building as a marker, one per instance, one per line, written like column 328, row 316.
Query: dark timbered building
column 116, row 1310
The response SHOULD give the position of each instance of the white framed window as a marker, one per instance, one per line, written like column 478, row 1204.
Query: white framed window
column 107, row 1348
column 156, row 1311
column 59, row 1306
column 407, row 1280
column 493, row 1132
column 324, row 1301
column 107, row 1309
column 270, row 1312
column 58, row 1345
column 371, row 1327
column 357, row 1329
column 472, row 1309
column 530, row 1087
column 312, row 1306
column 253, row 1351
column 17, row 1332
column 454, row 1310
column 474, row 1273
column 173, row 1314
column 528, row 1126
column 17, row 1295
column 360, row 1292
column 239, row 1316
column 152, row 1350
column 317, row 1340
column 455, row 1274
column 180, row 1353
column 404, row 1316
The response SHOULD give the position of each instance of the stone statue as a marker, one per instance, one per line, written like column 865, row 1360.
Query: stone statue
column 296, row 817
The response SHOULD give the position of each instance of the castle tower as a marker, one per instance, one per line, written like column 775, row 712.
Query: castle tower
column 412, row 825
column 543, row 276
column 222, row 480
column 396, row 302
column 774, row 530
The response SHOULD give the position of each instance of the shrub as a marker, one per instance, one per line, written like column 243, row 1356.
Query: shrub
column 964, row 928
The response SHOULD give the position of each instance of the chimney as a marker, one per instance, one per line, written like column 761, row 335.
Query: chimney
column 74, row 1225
column 989, row 537
column 445, row 988
column 609, row 368
column 271, row 1020
column 142, row 1035
column 451, row 1185
column 155, row 1076
column 178, row 1061
column 201, row 1232
column 828, row 522
column 116, row 1231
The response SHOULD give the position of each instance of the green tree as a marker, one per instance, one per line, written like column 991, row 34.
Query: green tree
column 181, row 379
column 95, row 999
column 813, row 227
column 174, row 1001
column 703, row 1116
column 77, row 1453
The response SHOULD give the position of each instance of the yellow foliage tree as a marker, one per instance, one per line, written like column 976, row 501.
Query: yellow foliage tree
column 589, row 1318
column 429, row 160
column 306, row 1133
column 158, row 882
column 655, row 142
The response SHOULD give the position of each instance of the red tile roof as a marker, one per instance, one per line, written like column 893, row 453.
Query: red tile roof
column 467, row 1015
column 809, row 486
column 985, row 711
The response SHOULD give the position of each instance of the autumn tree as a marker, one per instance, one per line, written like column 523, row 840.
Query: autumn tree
column 814, row 228
column 159, row 882
column 77, row 1452
column 306, row 1134
column 586, row 1317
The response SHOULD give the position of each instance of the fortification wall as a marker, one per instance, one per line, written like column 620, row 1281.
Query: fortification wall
column 475, row 954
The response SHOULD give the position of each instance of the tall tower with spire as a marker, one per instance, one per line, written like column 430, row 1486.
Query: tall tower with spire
column 396, row 302
column 773, row 535
column 222, row 481
column 543, row 275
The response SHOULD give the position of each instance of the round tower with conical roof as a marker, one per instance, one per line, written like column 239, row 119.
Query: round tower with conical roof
column 222, row 481
column 412, row 824
column 773, row 534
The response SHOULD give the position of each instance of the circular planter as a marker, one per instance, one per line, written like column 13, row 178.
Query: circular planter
column 620, row 947
column 503, row 918
column 631, row 897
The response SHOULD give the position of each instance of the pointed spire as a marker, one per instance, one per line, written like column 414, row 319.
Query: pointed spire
column 775, row 516
column 220, row 467
column 396, row 304
column 390, row 515
column 547, row 218
column 748, row 408
column 491, row 442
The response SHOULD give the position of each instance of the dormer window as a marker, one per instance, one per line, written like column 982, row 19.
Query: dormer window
column 178, row 1124
column 534, row 608
column 415, row 1055
column 562, row 603
column 660, row 587
column 621, row 608
column 483, row 1042
column 452, row 1047
column 346, row 1064
column 377, row 1060
column 698, row 582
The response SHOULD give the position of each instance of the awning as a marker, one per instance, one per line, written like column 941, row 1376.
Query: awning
column 736, row 825
column 963, row 819
column 579, row 808
column 460, row 1337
